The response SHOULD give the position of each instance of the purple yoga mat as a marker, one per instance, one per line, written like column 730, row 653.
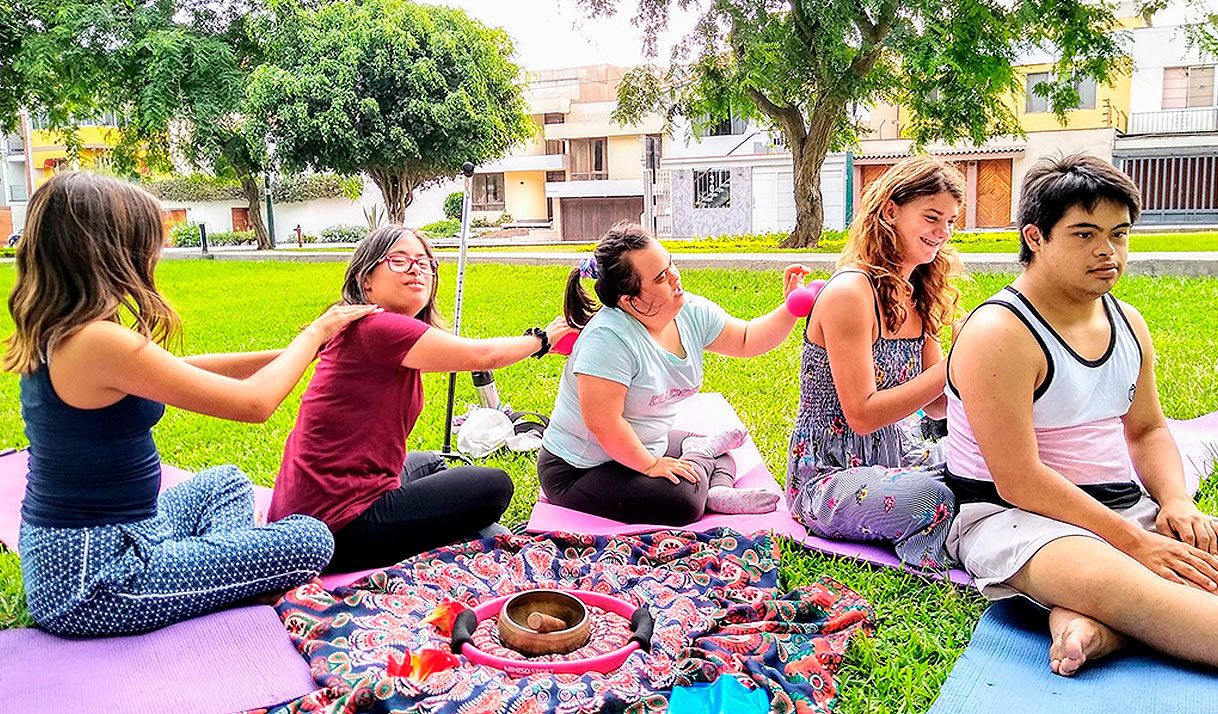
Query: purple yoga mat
column 228, row 661
column 710, row 412
column 13, row 472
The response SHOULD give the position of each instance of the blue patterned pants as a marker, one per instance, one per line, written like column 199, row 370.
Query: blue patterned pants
column 199, row 553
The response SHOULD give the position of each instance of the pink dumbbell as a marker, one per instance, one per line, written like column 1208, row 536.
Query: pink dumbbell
column 800, row 301
column 565, row 344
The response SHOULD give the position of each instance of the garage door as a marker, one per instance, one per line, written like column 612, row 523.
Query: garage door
column 589, row 218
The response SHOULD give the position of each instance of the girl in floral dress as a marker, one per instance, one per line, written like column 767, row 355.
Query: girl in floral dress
column 871, row 360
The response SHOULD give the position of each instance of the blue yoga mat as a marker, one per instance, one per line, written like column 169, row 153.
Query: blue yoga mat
column 1005, row 669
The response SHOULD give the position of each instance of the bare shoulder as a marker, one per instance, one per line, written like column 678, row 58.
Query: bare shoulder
column 100, row 337
column 993, row 330
column 846, row 293
column 1136, row 321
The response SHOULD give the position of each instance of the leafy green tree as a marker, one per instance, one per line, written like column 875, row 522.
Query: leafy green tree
column 402, row 92
column 804, row 66
column 173, row 71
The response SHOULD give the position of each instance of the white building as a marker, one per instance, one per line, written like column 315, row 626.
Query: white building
column 1170, row 146
column 736, row 178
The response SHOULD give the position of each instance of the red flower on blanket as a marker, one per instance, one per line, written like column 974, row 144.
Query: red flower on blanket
column 889, row 503
column 444, row 616
column 421, row 665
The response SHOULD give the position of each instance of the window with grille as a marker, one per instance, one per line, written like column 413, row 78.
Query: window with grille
column 488, row 192
column 713, row 188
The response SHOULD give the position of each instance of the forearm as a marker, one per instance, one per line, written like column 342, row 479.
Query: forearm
column 496, row 352
column 1157, row 460
column 620, row 441
column 938, row 408
column 764, row 333
column 274, row 381
column 1040, row 489
column 888, row 406
column 238, row 365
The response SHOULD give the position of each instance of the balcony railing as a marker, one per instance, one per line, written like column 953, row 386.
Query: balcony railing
column 15, row 145
column 590, row 176
column 1174, row 121
column 17, row 192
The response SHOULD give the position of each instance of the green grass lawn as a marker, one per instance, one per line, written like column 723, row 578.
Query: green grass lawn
column 923, row 626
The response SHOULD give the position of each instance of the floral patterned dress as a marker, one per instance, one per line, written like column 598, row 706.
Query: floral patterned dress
column 886, row 485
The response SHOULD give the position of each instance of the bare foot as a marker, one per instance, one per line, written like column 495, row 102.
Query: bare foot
column 1077, row 639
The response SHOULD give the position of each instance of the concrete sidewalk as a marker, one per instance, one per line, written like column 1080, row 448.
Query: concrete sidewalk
column 1160, row 263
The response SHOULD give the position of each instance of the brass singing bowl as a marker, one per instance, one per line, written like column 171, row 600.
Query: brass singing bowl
column 515, row 632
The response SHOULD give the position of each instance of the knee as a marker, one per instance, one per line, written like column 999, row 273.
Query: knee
column 224, row 479
column 683, row 510
column 497, row 488
column 308, row 538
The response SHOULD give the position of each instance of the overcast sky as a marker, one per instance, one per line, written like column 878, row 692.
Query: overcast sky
column 558, row 33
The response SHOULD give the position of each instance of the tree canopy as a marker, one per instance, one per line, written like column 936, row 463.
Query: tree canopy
column 402, row 92
column 806, row 66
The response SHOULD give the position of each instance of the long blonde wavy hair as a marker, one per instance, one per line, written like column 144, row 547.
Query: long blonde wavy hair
column 875, row 247
column 88, row 253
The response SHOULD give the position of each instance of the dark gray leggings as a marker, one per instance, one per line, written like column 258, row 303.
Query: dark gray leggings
column 435, row 506
column 614, row 491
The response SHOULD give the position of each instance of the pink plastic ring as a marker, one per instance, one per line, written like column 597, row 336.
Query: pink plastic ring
column 603, row 663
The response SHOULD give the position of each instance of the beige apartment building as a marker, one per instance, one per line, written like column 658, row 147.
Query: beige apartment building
column 581, row 171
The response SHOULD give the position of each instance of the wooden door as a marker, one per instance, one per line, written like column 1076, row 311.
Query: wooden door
column 6, row 224
column 993, row 193
column 241, row 219
column 869, row 174
column 169, row 219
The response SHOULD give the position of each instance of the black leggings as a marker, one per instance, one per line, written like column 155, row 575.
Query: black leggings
column 435, row 506
column 614, row 491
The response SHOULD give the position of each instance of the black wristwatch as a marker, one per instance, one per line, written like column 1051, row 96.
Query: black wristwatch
column 541, row 335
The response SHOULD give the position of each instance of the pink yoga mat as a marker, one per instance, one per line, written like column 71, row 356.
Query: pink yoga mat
column 710, row 412
column 228, row 661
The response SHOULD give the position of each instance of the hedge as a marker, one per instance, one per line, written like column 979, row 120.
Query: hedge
column 290, row 188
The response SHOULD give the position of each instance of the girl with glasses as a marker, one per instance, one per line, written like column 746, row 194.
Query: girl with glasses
column 345, row 461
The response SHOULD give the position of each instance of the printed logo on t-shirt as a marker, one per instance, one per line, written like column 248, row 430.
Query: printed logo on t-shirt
column 1133, row 389
column 672, row 395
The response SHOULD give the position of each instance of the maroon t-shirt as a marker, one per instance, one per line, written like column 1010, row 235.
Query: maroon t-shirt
column 349, row 443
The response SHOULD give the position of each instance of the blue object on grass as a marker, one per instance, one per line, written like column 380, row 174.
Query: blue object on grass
column 726, row 695
column 1005, row 670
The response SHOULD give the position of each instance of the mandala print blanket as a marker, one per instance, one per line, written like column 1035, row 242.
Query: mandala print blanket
column 714, row 597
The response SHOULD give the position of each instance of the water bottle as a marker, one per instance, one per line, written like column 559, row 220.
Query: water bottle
column 484, row 385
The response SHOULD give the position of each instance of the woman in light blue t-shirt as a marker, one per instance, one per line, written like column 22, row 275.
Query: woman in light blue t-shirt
column 610, row 449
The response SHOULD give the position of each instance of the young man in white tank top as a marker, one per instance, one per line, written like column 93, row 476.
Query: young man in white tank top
column 1052, row 414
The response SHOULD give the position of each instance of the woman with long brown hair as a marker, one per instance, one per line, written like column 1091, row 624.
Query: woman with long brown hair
column 101, row 553
column 871, row 359
column 345, row 461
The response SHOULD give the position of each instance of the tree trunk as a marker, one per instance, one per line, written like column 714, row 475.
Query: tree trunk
column 253, row 198
column 396, row 190
column 808, row 156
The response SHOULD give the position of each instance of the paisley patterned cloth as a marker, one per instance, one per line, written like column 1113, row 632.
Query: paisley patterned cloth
column 713, row 595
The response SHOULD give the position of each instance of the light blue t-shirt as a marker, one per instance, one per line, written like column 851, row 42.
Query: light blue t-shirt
column 617, row 347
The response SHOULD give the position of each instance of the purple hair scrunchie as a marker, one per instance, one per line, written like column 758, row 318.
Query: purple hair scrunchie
column 589, row 269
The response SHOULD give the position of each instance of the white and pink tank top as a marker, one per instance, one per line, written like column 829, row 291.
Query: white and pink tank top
column 1076, row 410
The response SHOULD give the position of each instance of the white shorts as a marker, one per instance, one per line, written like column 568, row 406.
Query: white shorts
column 994, row 542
